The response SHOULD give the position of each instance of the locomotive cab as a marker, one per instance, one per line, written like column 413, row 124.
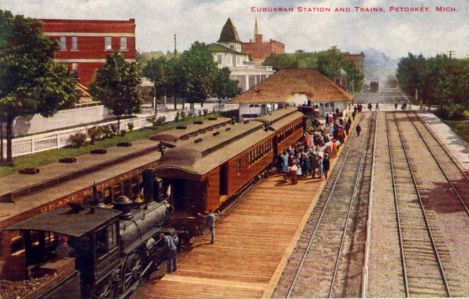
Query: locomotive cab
column 77, row 249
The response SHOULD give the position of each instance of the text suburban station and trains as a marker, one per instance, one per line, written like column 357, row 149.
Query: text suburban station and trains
column 113, row 231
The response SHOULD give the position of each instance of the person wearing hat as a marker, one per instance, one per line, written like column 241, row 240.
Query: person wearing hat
column 358, row 129
column 210, row 219
column 294, row 173
column 326, row 165
column 320, row 165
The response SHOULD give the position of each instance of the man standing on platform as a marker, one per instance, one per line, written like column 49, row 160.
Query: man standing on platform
column 359, row 129
column 171, row 250
column 210, row 219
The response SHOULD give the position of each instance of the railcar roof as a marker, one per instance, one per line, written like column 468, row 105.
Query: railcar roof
column 51, row 174
column 213, row 150
column 67, row 222
column 44, row 199
column 191, row 130
column 277, row 115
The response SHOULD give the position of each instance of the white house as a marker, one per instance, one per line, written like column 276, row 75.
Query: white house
column 227, row 53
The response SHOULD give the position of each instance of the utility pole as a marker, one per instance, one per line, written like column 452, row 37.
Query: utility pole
column 1, row 142
column 175, row 46
column 452, row 53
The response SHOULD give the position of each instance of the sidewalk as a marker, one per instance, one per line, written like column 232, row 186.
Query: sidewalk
column 458, row 147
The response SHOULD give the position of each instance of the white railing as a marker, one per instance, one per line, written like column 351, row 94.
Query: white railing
column 42, row 142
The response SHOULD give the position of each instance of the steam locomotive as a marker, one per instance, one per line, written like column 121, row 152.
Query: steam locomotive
column 113, row 247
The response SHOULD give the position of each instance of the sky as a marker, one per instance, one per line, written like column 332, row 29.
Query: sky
column 394, row 34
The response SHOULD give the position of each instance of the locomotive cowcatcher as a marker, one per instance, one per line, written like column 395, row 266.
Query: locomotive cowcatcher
column 113, row 248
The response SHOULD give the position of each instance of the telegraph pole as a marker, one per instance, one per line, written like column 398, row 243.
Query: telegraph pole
column 451, row 54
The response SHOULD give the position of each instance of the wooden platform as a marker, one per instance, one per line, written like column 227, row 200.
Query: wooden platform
column 253, row 242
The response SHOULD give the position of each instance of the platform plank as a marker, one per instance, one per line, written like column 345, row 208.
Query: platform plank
column 251, row 241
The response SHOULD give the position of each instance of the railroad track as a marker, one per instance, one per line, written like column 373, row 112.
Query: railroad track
column 322, row 264
column 449, row 167
column 424, row 258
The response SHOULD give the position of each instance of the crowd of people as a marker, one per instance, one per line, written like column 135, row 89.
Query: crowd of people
column 313, row 154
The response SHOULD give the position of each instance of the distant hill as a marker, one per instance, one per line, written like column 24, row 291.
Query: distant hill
column 378, row 66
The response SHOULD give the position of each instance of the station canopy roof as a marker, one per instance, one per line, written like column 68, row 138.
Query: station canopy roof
column 284, row 85
column 67, row 222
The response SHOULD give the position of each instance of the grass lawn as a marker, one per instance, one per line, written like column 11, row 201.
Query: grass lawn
column 461, row 127
column 46, row 157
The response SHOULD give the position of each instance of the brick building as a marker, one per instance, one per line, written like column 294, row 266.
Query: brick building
column 260, row 50
column 84, row 44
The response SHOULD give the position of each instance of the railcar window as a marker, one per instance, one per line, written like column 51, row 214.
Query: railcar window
column 238, row 166
column 107, row 195
column 127, row 187
column 112, row 237
column 49, row 239
column 16, row 245
column 101, row 242
column 34, row 235
column 116, row 190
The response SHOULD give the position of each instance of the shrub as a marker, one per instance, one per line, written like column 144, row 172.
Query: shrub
column 77, row 140
column 452, row 112
column 130, row 126
column 107, row 131
column 182, row 115
column 205, row 111
column 160, row 120
column 157, row 121
column 114, row 128
column 177, row 116
column 94, row 133
column 122, row 133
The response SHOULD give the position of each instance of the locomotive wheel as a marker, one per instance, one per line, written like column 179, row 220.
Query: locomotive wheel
column 105, row 290
column 132, row 270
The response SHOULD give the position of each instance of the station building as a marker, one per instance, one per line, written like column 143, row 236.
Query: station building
column 228, row 52
column 84, row 44
column 293, row 87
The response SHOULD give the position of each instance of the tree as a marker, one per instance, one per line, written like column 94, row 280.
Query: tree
column 223, row 86
column 117, row 86
column 410, row 73
column 162, row 72
column 329, row 62
column 30, row 82
column 198, row 71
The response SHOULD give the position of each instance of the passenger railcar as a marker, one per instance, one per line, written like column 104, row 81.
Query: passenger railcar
column 203, row 174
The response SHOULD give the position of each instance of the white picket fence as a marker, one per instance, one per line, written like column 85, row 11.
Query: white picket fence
column 43, row 142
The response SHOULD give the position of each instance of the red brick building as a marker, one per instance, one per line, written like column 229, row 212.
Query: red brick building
column 84, row 44
column 260, row 50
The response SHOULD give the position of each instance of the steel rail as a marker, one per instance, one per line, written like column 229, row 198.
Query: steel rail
column 356, row 189
column 364, row 282
column 461, row 200
column 444, row 147
column 435, row 250
column 396, row 205
column 310, row 242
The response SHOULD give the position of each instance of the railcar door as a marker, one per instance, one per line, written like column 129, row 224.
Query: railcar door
column 224, row 180
column 178, row 189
